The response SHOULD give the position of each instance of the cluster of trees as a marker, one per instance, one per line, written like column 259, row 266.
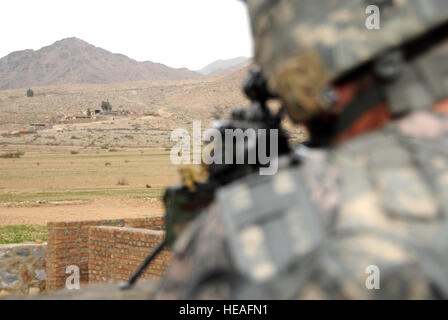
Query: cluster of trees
column 106, row 106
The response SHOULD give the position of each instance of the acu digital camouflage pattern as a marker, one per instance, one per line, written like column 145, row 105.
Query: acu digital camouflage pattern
column 302, row 45
column 380, row 199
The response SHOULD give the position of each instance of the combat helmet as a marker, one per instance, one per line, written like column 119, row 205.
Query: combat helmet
column 304, row 45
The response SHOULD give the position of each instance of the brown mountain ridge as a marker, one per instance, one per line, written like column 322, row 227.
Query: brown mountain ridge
column 73, row 60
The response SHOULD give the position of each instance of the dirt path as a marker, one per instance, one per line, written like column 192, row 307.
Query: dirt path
column 92, row 210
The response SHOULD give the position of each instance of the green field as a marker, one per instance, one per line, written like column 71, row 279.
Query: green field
column 72, row 195
column 19, row 234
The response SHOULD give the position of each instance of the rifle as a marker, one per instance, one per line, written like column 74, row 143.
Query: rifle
column 184, row 202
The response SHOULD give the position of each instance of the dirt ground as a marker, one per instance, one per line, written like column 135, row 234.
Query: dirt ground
column 88, row 210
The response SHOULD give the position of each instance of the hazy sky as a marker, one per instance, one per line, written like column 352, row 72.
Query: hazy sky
column 178, row 33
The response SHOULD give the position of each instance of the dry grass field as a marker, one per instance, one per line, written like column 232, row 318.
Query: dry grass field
column 52, row 184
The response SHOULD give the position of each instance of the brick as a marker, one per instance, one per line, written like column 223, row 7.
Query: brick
column 104, row 250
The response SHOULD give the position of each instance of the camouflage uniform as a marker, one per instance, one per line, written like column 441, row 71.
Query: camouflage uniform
column 380, row 199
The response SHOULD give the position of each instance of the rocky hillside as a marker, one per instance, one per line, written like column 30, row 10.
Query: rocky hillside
column 75, row 61
column 224, row 66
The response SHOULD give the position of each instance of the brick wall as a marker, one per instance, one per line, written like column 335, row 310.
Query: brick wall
column 115, row 253
column 68, row 244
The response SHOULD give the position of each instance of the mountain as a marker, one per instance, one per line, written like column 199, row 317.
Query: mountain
column 73, row 60
column 224, row 66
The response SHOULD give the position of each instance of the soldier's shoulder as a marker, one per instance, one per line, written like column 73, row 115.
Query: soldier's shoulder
column 422, row 125
column 390, row 212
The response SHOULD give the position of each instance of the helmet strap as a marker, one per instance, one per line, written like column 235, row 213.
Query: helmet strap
column 324, row 129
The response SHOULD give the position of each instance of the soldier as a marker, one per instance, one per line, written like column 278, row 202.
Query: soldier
column 364, row 214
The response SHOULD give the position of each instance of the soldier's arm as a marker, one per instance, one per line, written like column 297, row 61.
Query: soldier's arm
column 201, row 267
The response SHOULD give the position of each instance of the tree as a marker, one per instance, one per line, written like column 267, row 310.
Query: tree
column 89, row 113
column 30, row 93
column 106, row 106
